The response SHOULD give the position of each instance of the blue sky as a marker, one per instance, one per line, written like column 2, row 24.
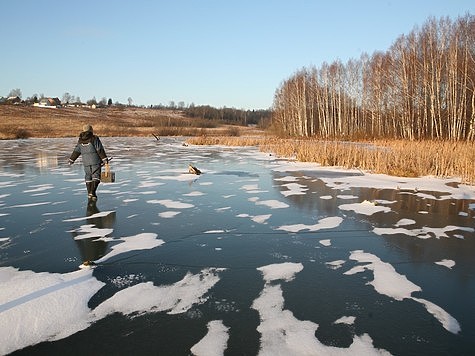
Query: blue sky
column 206, row 52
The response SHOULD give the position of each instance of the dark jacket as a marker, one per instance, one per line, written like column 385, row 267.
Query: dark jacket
column 91, row 149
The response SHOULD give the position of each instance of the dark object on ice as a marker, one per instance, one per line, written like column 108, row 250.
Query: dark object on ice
column 193, row 170
column 158, row 138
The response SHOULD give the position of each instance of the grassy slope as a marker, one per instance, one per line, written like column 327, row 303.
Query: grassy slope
column 25, row 121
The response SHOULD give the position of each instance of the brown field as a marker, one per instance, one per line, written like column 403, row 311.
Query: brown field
column 393, row 157
column 18, row 121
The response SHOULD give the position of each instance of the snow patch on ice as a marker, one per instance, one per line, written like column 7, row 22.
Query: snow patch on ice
column 143, row 241
column 347, row 197
column 335, row 264
column 423, row 233
column 325, row 223
column 388, row 282
column 36, row 307
column 260, row 219
column 90, row 231
column 294, row 189
column 273, row 204
column 92, row 216
column 448, row 321
column 171, row 204
column 168, row 214
column 283, row 334
column 349, row 320
column 215, row 341
column 446, row 263
column 145, row 297
column 365, row 208
column 405, row 222
column 285, row 271
column 30, row 205
column 194, row 194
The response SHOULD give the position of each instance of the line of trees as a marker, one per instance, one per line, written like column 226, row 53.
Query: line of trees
column 229, row 115
column 422, row 87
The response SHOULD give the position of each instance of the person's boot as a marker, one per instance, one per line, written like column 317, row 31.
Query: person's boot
column 89, row 186
column 95, row 184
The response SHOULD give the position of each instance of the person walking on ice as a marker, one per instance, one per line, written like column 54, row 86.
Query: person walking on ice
column 93, row 157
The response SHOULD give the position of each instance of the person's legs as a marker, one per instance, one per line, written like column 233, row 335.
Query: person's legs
column 88, row 180
column 96, row 179
column 89, row 186
column 95, row 184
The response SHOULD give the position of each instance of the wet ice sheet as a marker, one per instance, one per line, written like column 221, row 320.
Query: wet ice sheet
column 47, row 306
column 283, row 334
column 209, row 220
column 388, row 282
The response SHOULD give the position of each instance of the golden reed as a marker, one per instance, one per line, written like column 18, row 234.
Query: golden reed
column 441, row 159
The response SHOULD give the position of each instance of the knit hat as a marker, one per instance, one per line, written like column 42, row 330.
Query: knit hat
column 87, row 128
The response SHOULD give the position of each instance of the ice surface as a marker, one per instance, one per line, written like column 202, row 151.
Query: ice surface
column 283, row 334
column 388, row 282
column 45, row 306
column 146, row 297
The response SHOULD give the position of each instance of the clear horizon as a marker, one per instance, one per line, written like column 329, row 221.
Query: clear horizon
column 223, row 54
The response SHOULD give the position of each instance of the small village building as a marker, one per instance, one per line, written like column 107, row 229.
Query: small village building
column 14, row 100
column 48, row 103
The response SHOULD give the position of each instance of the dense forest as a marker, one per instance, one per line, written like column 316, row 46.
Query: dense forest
column 422, row 87
column 229, row 115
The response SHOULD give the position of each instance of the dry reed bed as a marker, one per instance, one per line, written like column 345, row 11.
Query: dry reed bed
column 393, row 157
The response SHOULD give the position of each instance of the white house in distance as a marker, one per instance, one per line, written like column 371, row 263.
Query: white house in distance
column 48, row 103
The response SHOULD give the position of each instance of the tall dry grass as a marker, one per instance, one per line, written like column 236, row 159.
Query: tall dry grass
column 393, row 157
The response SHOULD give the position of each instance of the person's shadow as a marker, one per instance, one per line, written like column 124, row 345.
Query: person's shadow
column 92, row 248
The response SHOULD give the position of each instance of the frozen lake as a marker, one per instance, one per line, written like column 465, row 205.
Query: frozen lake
column 256, row 255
